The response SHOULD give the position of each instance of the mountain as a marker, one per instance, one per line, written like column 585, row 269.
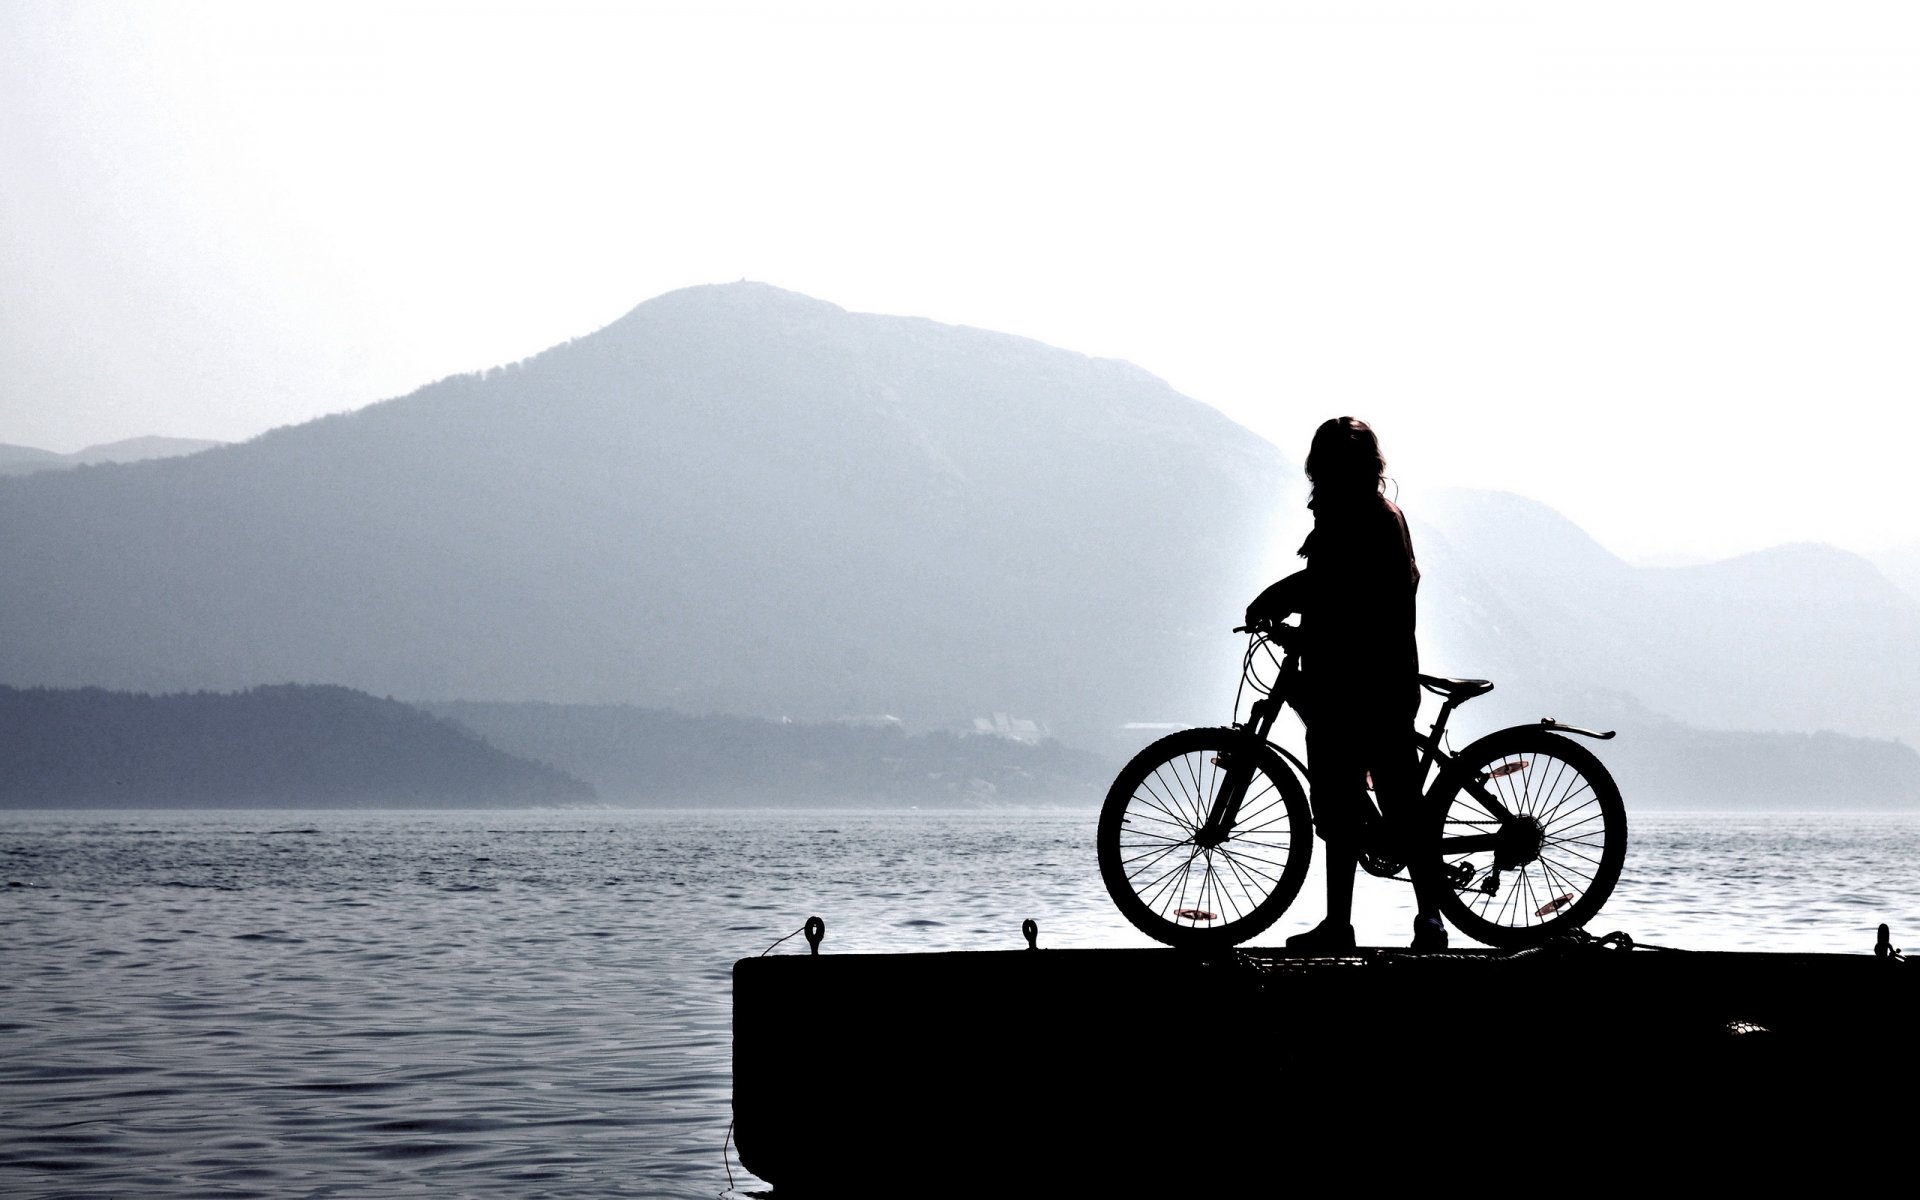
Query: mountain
column 642, row 756
column 24, row 460
column 285, row 746
column 740, row 500
column 1662, row 763
column 733, row 499
column 1797, row 638
column 1901, row 564
column 18, row 460
column 648, row 756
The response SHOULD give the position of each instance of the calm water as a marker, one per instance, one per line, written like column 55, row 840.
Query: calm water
column 537, row 1003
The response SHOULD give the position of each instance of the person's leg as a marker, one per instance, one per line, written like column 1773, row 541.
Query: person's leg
column 1341, row 865
column 1395, row 765
column 1338, row 784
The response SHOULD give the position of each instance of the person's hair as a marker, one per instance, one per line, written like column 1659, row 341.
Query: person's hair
column 1344, row 462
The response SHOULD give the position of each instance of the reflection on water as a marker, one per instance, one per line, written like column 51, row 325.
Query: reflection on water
column 537, row 1003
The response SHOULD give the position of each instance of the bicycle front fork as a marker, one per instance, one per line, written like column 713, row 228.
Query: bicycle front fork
column 1236, row 770
column 1235, row 776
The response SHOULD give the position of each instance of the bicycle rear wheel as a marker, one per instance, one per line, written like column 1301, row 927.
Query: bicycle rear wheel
column 1171, row 886
column 1532, row 837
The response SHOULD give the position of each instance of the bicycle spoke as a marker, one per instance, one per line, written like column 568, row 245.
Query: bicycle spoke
column 1161, row 800
column 1149, row 833
column 1251, row 865
column 1190, row 801
column 1225, row 893
column 1167, row 807
column 1245, row 863
column 1185, row 888
column 1565, row 869
column 1240, row 878
column 1582, row 788
column 1158, row 900
column 1587, row 812
column 1181, row 868
column 1190, row 770
column 1529, row 899
column 1561, row 769
column 1154, row 896
column 1257, row 814
column 1566, row 801
column 1208, row 781
column 1244, row 856
column 1559, row 849
column 1258, row 818
column 1154, row 858
column 1142, row 828
column 1197, row 777
column 1560, row 885
column 1143, row 819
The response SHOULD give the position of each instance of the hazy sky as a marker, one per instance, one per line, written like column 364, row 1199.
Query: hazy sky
column 1655, row 264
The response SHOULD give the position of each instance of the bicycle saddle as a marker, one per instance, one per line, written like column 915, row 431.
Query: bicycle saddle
column 1456, row 689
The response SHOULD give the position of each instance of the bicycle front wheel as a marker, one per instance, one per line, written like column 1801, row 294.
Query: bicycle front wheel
column 1155, row 855
column 1533, row 835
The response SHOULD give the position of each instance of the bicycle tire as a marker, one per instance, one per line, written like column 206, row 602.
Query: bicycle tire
column 1169, row 887
column 1581, row 828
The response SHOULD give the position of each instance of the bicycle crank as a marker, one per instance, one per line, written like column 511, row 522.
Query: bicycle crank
column 1381, row 865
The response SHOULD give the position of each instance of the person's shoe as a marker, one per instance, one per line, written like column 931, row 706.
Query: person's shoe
column 1324, row 938
column 1429, row 935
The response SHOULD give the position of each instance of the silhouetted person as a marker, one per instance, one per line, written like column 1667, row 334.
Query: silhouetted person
column 1359, row 664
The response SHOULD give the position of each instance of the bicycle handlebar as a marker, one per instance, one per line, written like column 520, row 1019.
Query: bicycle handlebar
column 1273, row 630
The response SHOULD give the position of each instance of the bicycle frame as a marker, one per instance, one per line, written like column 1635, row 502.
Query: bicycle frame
column 1224, row 810
column 1429, row 748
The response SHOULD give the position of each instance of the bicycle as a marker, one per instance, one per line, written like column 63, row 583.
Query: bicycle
column 1206, row 835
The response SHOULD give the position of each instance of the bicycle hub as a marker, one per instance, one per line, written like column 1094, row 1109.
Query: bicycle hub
column 1518, row 843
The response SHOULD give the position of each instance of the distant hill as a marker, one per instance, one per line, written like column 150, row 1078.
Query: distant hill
column 734, row 499
column 642, row 756
column 1901, row 564
column 269, row 747
column 1661, row 763
column 740, row 500
column 647, row 756
column 1798, row 638
column 25, row 460
column 18, row 460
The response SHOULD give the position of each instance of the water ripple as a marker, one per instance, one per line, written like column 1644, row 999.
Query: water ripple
column 514, row 1004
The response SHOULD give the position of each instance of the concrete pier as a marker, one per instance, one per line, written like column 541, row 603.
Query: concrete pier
column 1130, row 1072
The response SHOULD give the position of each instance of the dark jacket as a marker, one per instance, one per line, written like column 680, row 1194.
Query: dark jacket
column 1355, row 600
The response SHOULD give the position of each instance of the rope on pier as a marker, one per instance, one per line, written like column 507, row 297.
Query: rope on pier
column 813, row 927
